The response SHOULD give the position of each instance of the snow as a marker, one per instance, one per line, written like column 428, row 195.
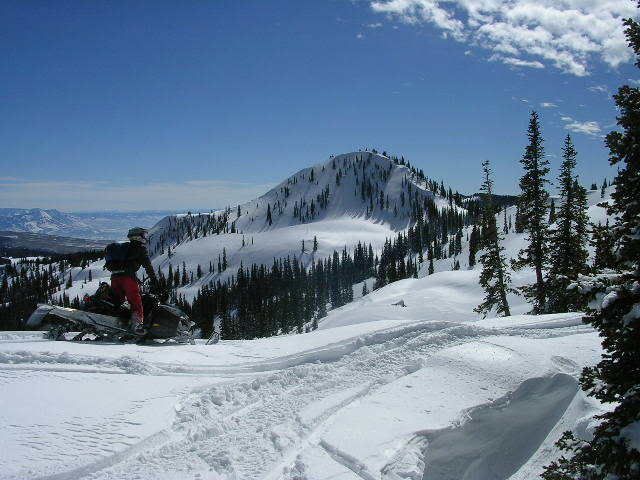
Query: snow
column 379, row 391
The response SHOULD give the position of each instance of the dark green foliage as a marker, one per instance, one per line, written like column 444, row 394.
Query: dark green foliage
column 533, row 213
column 568, row 252
column 25, row 283
column 616, row 379
column 261, row 301
column 494, row 278
column 603, row 242
column 474, row 245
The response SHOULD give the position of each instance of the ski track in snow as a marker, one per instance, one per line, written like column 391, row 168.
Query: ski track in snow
column 255, row 428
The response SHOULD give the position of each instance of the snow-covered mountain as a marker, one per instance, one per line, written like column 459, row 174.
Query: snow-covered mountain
column 358, row 196
column 406, row 382
column 89, row 225
column 38, row 220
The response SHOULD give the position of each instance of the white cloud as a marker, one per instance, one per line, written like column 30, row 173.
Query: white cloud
column 568, row 34
column 548, row 105
column 599, row 89
column 374, row 25
column 590, row 128
column 515, row 62
column 359, row 36
column 99, row 195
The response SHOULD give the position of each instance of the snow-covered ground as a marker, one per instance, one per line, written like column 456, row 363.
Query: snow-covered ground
column 378, row 392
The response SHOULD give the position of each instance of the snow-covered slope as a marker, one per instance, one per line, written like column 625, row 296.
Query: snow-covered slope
column 378, row 392
column 355, row 197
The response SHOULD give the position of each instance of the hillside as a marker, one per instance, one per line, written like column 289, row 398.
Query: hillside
column 359, row 196
column 405, row 382
column 379, row 391
column 188, row 244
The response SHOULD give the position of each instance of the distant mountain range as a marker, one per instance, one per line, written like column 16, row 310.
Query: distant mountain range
column 19, row 244
column 83, row 225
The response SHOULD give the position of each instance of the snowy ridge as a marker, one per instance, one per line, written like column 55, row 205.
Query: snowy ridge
column 338, row 213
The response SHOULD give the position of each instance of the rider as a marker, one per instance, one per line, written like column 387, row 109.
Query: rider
column 124, row 282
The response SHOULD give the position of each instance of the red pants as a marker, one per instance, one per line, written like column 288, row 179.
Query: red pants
column 127, row 287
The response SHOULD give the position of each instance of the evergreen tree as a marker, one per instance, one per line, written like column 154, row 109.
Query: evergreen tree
column 494, row 277
column 552, row 212
column 474, row 243
column 533, row 211
column 603, row 242
column 505, row 223
column 269, row 218
column 568, row 252
column 613, row 453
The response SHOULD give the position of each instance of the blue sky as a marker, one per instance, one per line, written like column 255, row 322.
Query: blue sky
column 199, row 104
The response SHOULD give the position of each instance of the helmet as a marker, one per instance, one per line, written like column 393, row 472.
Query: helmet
column 138, row 234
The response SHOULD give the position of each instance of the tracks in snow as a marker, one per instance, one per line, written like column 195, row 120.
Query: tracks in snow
column 255, row 429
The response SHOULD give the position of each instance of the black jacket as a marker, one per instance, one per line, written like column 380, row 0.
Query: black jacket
column 137, row 257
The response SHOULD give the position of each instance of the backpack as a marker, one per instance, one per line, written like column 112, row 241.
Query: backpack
column 116, row 255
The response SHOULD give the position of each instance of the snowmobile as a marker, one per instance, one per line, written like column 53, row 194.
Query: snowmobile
column 101, row 317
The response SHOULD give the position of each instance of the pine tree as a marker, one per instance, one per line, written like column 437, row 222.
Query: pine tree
column 568, row 252
column 552, row 212
column 603, row 243
column 494, row 277
column 533, row 212
column 269, row 219
column 519, row 223
column 612, row 453
column 474, row 243
column 505, row 223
